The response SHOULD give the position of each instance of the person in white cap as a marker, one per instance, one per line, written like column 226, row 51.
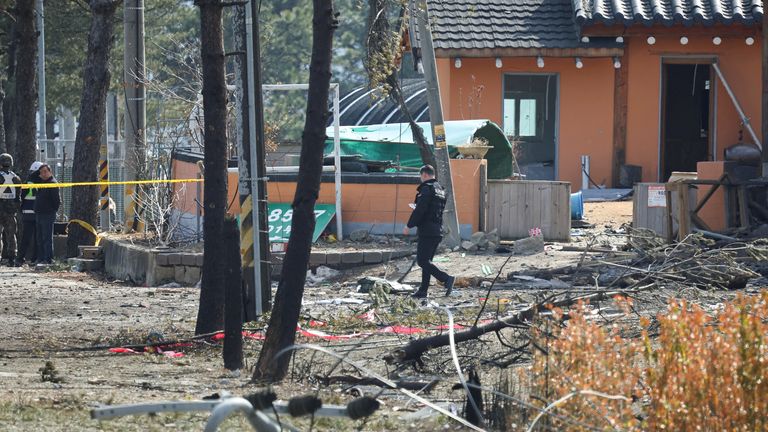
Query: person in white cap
column 28, row 245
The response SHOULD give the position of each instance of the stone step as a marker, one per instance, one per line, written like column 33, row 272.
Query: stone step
column 86, row 264
column 91, row 252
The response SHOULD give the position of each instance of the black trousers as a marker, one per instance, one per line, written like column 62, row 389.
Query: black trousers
column 28, row 245
column 425, row 251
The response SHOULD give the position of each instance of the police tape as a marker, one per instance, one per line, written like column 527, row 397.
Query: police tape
column 101, row 183
column 88, row 227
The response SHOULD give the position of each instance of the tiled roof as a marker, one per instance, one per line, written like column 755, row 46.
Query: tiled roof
column 667, row 12
column 504, row 24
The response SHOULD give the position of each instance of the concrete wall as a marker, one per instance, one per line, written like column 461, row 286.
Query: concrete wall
column 150, row 267
column 380, row 208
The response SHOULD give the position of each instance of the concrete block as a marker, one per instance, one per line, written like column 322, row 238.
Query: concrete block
column 126, row 262
column 529, row 246
column 179, row 274
column 192, row 275
column 174, row 259
column 372, row 257
column 317, row 258
column 352, row 258
column 60, row 246
column 333, row 258
column 199, row 260
column 188, row 260
column 160, row 275
column 85, row 264
column 161, row 259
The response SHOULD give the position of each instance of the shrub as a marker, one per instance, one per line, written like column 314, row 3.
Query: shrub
column 701, row 373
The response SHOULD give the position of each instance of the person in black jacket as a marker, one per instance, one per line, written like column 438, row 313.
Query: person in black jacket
column 427, row 216
column 47, row 202
column 28, row 245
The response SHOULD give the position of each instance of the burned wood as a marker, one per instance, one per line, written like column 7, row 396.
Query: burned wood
column 414, row 349
column 423, row 386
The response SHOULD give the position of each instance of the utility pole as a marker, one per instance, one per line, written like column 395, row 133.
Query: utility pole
column 136, row 106
column 41, row 132
column 450, row 218
column 252, row 169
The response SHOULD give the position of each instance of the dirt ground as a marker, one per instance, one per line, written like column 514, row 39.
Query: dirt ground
column 65, row 317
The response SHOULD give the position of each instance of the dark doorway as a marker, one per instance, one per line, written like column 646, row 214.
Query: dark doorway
column 530, row 114
column 687, row 113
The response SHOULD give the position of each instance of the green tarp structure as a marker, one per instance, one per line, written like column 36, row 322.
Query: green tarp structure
column 394, row 142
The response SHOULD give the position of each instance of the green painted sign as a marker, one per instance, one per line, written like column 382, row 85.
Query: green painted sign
column 281, row 216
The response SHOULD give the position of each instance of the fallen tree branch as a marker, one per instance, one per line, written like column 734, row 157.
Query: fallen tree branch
column 415, row 348
column 421, row 386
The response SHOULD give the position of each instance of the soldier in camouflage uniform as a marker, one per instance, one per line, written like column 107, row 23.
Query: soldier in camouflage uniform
column 10, row 203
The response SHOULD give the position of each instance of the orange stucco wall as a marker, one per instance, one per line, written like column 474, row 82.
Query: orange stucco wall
column 363, row 204
column 585, row 125
column 586, row 95
column 741, row 67
column 186, row 193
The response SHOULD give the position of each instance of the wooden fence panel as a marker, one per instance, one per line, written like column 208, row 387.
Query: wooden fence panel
column 515, row 206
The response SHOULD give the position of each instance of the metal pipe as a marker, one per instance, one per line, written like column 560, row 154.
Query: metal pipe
column 743, row 116
column 584, row 172
column 114, row 411
column 258, row 420
column 251, row 66
column 337, row 160
column 41, row 132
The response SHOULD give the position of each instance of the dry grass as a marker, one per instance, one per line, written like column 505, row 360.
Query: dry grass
column 701, row 372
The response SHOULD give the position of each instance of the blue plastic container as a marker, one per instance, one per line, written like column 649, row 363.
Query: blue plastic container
column 577, row 206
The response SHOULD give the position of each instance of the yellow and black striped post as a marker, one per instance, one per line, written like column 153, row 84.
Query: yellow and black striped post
column 247, row 254
column 133, row 222
column 104, row 189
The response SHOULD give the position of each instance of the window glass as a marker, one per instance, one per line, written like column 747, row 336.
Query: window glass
column 527, row 124
column 509, row 117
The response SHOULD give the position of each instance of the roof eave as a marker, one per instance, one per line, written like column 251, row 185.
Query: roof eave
column 528, row 52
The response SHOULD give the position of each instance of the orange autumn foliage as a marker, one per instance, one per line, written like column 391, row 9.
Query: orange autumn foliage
column 700, row 373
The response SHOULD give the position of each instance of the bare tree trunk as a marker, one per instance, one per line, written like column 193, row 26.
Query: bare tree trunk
column 9, row 108
column 90, row 130
column 210, row 315
column 26, row 87
column 281, row 332
column 233, row 297
column 2, row 119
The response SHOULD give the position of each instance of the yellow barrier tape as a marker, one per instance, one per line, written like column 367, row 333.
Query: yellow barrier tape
column 103, row 183
column 88, row 227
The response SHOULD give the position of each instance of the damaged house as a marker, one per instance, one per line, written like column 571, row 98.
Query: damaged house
column 641, row 87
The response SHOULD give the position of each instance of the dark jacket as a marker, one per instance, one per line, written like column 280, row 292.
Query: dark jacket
column 28, row 198
column 428, row 214
column 47, row 200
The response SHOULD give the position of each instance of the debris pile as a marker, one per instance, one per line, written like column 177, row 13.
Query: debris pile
column 482, row 241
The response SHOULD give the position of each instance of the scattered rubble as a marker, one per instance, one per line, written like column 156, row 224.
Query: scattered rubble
column 359, row 235
column 482, row 241
column 321, row 275
column 529, row 246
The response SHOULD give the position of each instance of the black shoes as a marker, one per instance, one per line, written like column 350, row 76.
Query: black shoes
column 420, row 294
column 449, row 285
